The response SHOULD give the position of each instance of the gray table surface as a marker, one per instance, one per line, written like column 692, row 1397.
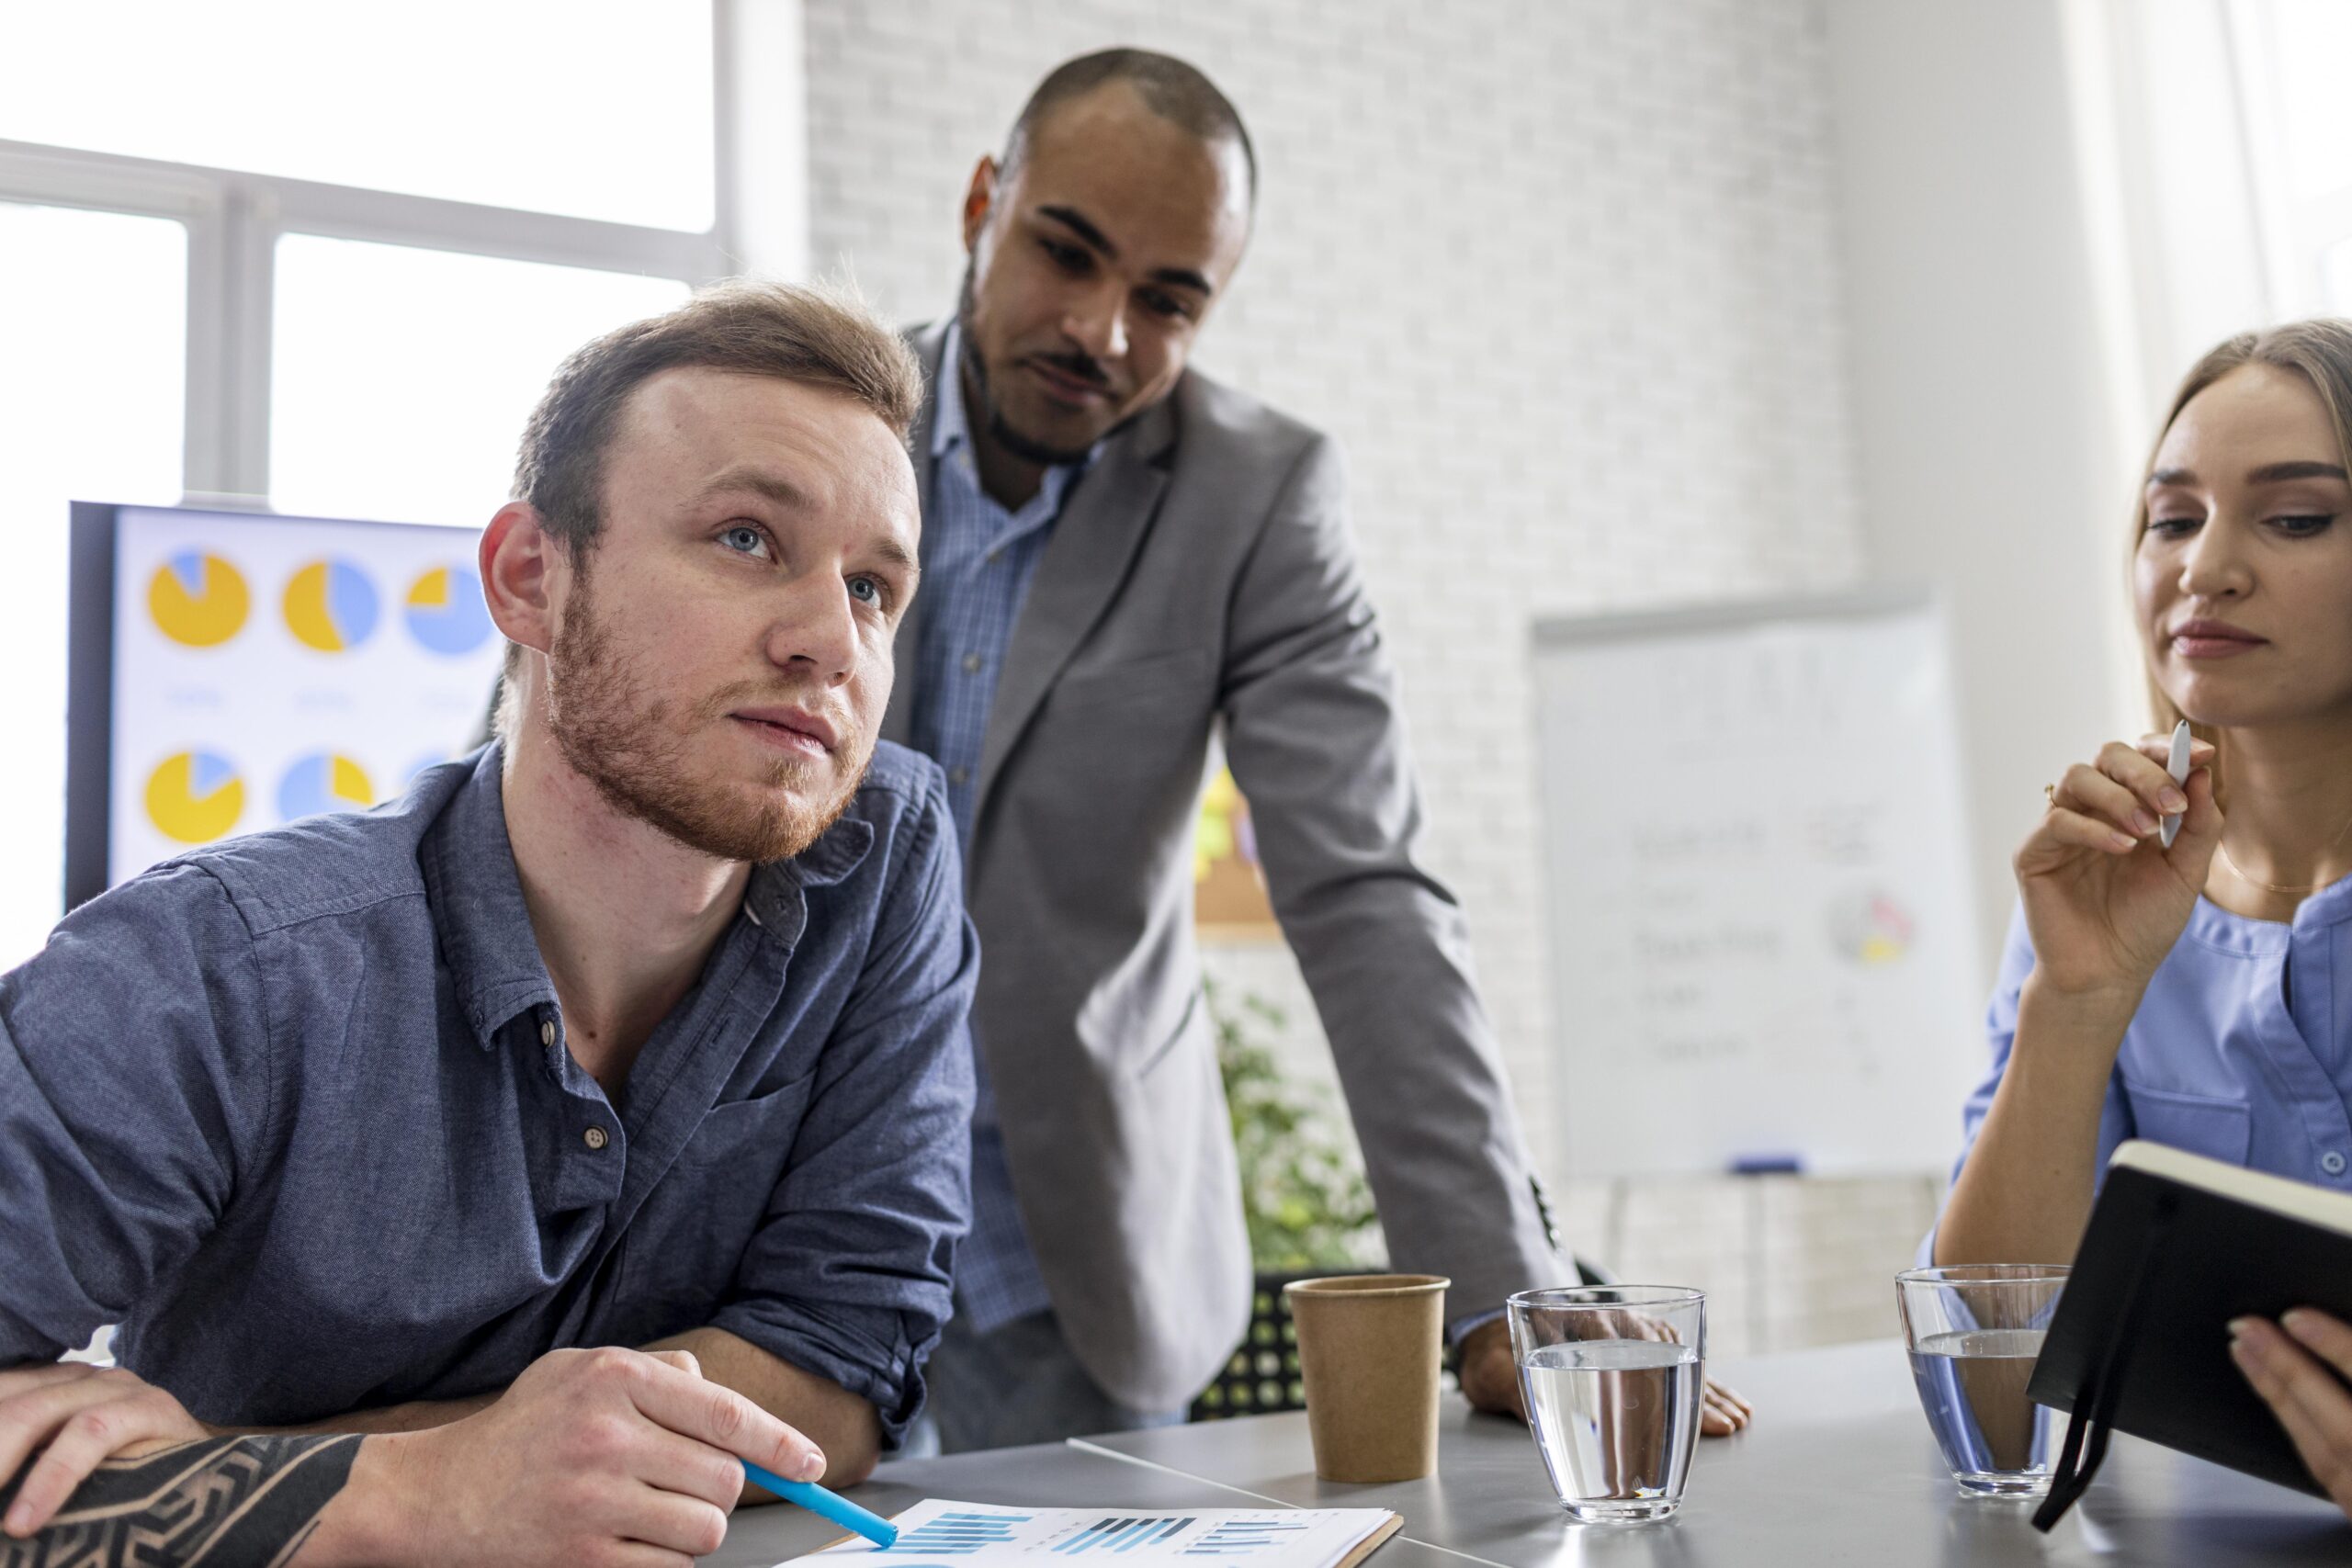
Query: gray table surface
column 1837, row 1469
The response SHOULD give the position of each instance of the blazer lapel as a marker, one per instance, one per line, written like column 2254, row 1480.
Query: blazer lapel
column 898, row 718
column 1085, row 563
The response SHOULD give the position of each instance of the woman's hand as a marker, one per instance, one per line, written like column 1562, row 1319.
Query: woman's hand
column 2104, row 899
column 2300, row 1374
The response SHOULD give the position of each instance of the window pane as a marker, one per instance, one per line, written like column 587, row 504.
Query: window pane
column 93, row 328
column 2314, row 40
column 403, row 376
column 600, row 108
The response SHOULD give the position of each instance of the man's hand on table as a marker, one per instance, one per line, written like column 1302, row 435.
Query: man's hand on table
column 609, row 1456
column 2299, row 1365
column 614, row 1456
column 82, row 1414
column 1490, row 1374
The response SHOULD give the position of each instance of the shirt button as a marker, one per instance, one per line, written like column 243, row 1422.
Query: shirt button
column 994, row 554
column 547, row 1033
column 956, row 775
column 971, row 664
column 594, row 1137
column 2332, row 1163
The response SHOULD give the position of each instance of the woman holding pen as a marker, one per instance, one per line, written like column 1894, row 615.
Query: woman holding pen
column 2200, row 995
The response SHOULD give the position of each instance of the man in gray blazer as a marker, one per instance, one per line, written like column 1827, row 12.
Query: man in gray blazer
column 1121, row 558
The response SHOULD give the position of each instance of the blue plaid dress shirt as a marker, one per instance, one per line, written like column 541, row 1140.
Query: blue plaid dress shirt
column 978, row 560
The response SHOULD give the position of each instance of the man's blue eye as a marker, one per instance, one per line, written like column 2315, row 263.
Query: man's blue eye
column 744, row 540
column 865, row 590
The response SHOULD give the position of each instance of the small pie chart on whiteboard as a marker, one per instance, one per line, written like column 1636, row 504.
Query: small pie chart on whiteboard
column 1870, row 928
column 331, row 606
column 195, row 796
column 196, row 599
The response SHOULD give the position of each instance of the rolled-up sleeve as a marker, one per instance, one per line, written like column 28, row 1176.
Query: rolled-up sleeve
column 848, row 1275
column 134, row 1083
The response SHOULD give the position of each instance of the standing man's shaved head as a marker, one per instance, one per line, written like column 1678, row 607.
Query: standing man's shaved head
column 1170, row 87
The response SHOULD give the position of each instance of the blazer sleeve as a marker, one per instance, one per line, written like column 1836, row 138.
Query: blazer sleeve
column 1317, row 743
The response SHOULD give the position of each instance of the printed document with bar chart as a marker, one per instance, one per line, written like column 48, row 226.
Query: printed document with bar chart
column 935, row 1534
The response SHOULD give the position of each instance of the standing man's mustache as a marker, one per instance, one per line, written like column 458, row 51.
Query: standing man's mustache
column 1083, row 366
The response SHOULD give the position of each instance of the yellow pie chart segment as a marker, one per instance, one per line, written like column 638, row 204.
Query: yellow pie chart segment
column 197, row 600
column 195, row 797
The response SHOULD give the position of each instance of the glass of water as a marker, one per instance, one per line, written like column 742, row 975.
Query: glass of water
column 1612, row 1375
column 1974, row 1331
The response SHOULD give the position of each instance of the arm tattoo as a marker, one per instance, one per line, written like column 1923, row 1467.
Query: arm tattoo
column 217, row 1501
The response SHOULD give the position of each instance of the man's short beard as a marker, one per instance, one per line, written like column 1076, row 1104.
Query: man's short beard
column 617, row 738
column 1026, row 448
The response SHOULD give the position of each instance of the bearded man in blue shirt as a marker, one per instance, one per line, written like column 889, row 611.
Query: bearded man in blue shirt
column 643, row 1027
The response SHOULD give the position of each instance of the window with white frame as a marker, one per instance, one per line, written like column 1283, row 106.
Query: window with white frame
column 322, row 256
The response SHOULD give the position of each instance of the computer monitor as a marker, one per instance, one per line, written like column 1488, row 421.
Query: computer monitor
column 232, row 670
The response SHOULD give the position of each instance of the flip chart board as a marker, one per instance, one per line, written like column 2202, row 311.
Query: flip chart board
column 1761, row 940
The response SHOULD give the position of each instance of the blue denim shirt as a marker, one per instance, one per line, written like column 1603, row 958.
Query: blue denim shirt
column 297, row 1110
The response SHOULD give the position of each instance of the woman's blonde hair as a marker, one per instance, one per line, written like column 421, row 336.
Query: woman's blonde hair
column 2320, row 351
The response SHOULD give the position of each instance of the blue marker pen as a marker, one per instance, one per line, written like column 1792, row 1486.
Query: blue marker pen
column 828, row 1504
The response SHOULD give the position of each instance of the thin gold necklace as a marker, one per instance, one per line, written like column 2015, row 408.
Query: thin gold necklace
column 2239, row 872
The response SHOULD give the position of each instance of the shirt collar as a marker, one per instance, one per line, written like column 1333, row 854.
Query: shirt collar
column 949, row 429
column 479, row 916
column 484, row 927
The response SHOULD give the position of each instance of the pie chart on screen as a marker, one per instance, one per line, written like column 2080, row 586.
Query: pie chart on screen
column 195, row 796
column 445, row 612
column 197, row 600
column 323, row 782
column 331, row 606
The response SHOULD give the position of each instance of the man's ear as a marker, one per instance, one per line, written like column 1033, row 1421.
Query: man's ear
column 521, row 564
column 980, row 200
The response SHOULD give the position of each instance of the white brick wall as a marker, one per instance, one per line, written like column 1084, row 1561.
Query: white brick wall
column 1561, row 278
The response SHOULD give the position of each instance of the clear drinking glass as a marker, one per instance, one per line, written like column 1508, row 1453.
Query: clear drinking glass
column 1612, row 1375
column 1974, row 1331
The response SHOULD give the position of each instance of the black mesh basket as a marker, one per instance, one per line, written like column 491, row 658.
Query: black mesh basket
column 1262, row 1375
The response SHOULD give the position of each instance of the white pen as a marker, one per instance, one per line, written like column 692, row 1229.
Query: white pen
column 2177, row 766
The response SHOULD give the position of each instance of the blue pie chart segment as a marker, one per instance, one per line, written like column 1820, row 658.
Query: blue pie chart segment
column 445, row 612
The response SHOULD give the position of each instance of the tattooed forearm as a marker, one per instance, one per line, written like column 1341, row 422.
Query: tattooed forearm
column 218, row 1501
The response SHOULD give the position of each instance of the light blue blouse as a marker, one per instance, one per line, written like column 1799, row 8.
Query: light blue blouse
column 2242, row 1049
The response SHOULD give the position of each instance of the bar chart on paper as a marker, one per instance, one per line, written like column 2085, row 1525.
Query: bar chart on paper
column 959, row 1534
column 940, row 1534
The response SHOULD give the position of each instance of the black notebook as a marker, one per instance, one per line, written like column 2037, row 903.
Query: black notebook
column 2177, row 1245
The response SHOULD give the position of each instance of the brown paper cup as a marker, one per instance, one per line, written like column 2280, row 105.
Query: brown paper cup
column 1368, row 1347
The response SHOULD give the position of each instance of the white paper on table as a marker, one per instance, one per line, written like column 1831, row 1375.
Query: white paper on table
column 936, row 1533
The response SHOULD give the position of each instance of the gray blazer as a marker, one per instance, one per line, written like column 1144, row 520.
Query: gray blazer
column 1202, row 573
